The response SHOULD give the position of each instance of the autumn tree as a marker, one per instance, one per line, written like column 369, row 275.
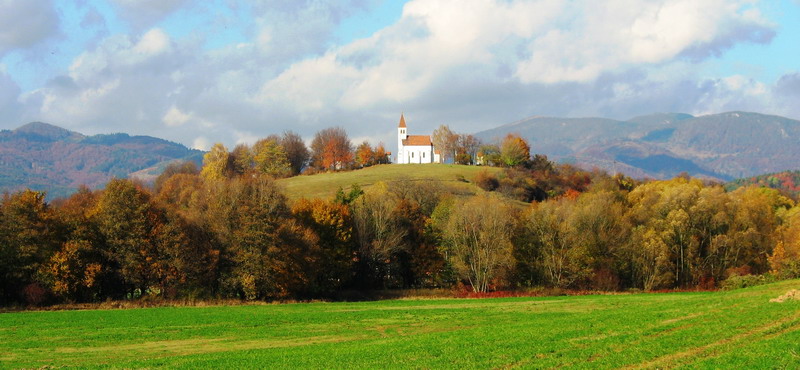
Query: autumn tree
column 126, row 219
column 420, row 263
column 488, row 154
column 514, row 150
column 27, row 239
column 261, row 246
column 184, row 167
column 380, row 154
column 242, row 160
column 547, row 248
column 333, row 226
column 365, row 155
column 296, row 151
column 270, row 158
column 180, row 193
column 331, row 149
column 150, row 248
column 379, row 234
column 216, row 163
column 466, row 149
column 478, row 237
column 79, row 271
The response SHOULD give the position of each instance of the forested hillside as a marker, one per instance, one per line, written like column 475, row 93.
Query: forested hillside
column 48, row 158
column 787, row 182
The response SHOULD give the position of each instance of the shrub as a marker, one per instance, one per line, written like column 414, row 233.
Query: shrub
column 486, row 181
column 745, row 281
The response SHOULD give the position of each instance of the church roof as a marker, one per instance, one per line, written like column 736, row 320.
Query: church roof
column 417, row 140
column 402, row 121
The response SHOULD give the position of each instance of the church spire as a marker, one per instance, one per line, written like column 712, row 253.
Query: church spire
column 402, row 121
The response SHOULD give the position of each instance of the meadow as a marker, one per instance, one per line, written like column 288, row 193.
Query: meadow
column 727, row 329
column 458, row 178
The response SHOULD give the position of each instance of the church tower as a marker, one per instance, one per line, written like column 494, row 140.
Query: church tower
column 402, row 134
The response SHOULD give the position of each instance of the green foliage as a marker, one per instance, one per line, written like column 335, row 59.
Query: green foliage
column 514, row 151
column 270, row 158
column 348, row 198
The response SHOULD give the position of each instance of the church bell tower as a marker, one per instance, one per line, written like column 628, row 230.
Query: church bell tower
column 402, row 134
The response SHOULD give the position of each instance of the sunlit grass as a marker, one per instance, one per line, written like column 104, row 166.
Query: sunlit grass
column 325, row 185
column 707, row 329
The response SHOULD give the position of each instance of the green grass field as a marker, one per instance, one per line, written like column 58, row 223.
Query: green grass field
column 324, row 185
column 731, row 329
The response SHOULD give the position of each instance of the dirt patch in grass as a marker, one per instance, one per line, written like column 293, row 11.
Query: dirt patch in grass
column 792, row 295
column 169, row 348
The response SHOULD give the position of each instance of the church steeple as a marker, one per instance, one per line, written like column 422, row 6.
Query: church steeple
column 401, row 135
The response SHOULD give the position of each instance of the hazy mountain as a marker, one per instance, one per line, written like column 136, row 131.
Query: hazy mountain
column 720, row 146
column 41, row 156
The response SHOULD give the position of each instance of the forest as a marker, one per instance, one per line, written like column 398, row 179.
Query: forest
column 226, row 230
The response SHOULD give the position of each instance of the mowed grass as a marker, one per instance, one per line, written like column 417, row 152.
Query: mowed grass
column 324, row 185
column 731, row 329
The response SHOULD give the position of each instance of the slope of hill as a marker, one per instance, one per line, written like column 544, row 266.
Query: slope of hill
column 787, row 182
column 44, row 157
column 455, row 178
column 718, row 146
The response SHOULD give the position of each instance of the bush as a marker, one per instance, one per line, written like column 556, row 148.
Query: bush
column 746, row 281
column 486, row 181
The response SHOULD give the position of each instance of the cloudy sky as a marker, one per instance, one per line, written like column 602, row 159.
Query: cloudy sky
column 231, row 71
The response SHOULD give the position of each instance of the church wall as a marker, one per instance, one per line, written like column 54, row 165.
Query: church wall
column 418, row 154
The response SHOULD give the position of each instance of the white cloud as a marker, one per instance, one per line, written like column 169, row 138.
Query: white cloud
column 23, row 23
column 471, row 64
column 174, row 117
column 201, row 143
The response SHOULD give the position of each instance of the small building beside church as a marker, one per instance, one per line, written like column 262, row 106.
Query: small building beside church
column 414, row 148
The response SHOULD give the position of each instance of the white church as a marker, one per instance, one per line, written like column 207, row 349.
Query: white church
column 414, row 148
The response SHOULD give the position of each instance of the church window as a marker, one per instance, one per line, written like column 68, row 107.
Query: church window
column 412, row 154
column 423, row 154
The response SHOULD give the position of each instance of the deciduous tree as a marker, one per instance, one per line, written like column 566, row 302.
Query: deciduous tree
column 216, row 163
column 331, row 150
column 478, row 236
column 514, row 150
column 296, row 151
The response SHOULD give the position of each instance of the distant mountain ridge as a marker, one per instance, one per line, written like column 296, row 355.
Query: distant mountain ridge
column 718, row 146
column 44, row 157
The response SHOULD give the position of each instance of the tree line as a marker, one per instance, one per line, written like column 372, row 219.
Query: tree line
column 331, row 150
column 226, row 230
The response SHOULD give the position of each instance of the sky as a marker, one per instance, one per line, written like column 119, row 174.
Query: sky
column 233, row 71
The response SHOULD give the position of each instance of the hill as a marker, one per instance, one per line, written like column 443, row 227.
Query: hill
column 456, row 178
column 718, row 146
column 48, row 158
column 787, row 182
column 728, row 329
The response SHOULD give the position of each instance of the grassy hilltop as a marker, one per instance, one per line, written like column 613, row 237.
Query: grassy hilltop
column 324, row 185
column 729, row 329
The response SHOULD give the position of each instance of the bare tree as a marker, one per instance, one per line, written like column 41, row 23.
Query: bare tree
column 478, row 236
column 445, row 141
